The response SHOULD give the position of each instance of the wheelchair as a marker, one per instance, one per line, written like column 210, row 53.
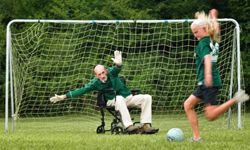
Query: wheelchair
column 116, row 126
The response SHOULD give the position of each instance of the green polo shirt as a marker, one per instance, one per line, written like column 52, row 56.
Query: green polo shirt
column 203, row 48
column 113, row 82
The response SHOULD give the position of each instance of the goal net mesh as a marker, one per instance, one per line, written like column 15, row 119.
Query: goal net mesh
column 158, row 58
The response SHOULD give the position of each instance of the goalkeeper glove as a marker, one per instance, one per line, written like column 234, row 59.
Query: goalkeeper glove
column 57, row 98
column 118, row 58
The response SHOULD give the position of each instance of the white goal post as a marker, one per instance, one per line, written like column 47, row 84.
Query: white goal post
column 47, row 57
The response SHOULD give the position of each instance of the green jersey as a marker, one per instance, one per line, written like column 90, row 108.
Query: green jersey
column 113, row 82
column 206, row 47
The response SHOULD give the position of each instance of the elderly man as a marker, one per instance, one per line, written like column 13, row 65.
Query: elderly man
column 121, row 99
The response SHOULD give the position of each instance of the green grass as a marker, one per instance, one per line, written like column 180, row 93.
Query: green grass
column 73, row 132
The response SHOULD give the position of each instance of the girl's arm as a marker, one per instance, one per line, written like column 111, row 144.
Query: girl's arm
column 208, row 79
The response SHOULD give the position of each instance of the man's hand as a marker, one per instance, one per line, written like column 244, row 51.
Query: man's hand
column 57, row 98
column 118, row 58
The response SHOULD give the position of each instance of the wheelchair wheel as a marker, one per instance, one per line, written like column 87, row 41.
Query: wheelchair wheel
column 100, row 129
column 117, row 130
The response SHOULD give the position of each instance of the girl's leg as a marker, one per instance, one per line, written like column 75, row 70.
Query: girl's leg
column 192, row 115
column 212, row 112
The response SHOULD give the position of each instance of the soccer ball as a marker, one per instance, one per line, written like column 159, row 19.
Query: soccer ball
column 175, row 134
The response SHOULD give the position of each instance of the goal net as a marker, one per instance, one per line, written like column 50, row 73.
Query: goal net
column 47, row 57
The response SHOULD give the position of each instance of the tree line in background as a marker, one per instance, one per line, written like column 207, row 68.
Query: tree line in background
column 121, row 10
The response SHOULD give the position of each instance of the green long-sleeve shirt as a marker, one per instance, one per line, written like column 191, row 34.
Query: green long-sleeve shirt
column 113, row 82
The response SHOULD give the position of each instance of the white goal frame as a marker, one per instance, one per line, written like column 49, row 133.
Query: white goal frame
column 9, row 91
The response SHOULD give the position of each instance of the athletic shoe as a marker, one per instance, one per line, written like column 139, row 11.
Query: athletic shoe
column 241, row 96
column 196, row 140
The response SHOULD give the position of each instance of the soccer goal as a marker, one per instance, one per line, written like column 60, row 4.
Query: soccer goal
column 47, row 57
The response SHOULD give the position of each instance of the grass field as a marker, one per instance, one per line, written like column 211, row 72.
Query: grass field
column 73, row 132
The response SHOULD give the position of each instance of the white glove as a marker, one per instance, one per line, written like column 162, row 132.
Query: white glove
column 57, row 98
column 118, row 58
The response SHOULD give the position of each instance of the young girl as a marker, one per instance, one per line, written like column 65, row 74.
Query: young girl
column 206, row 30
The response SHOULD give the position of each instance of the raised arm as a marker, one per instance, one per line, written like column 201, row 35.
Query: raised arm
column 118, row 61
column 117, row 58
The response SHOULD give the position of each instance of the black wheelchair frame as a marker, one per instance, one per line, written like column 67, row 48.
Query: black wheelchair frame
column 116, row 125
column 115, row 128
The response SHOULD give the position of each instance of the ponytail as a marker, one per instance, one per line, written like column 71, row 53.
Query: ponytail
column 210, row 24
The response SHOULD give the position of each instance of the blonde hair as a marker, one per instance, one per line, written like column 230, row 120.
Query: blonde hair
column 211, row 25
